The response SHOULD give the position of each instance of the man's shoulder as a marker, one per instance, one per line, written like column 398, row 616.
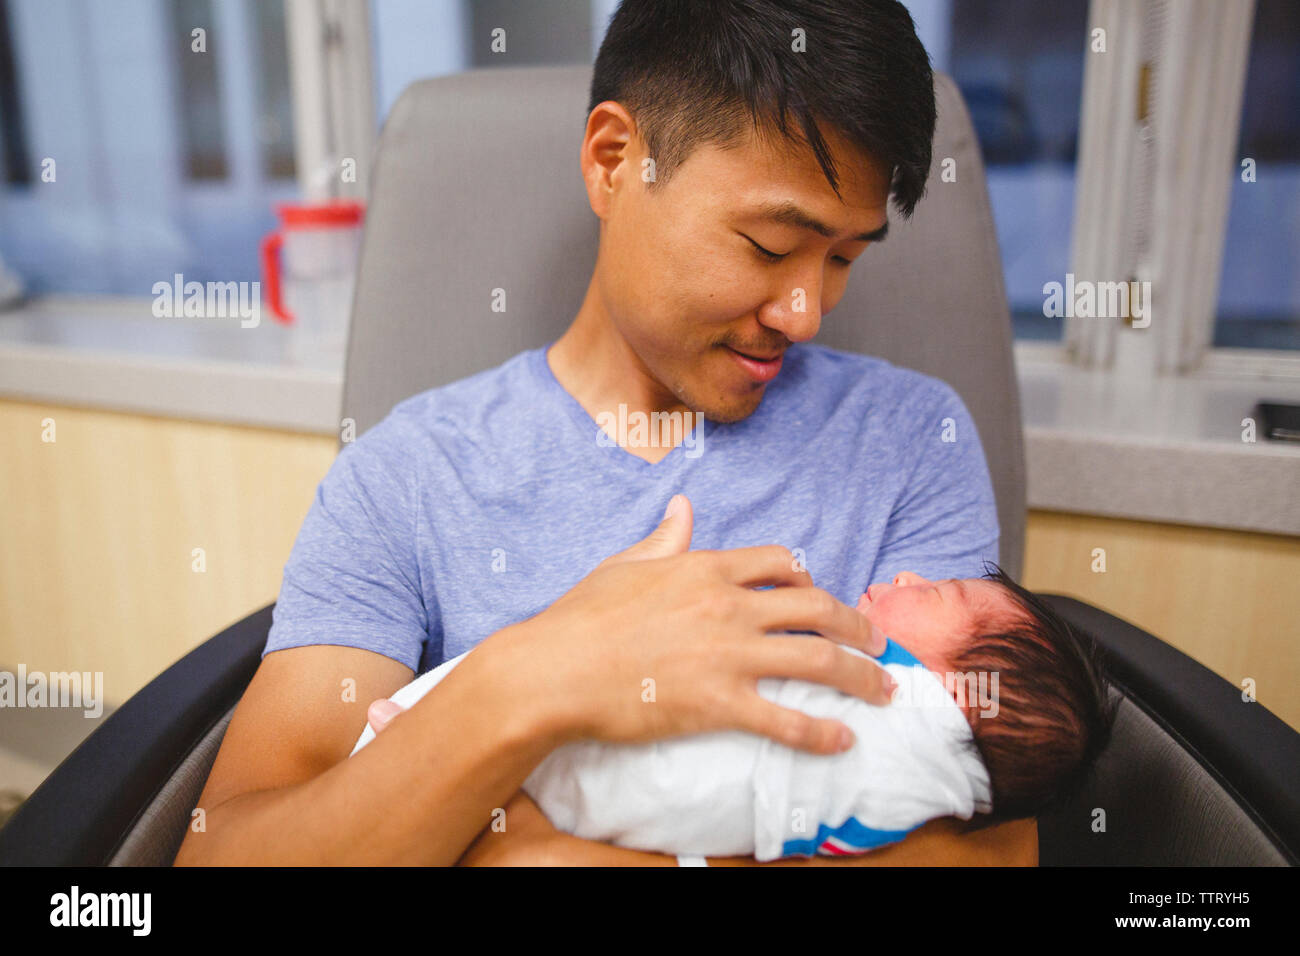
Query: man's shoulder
column 425, row 421
column 872, row 382
column 454, row 399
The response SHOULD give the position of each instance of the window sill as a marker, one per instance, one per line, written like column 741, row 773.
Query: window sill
column 114, row 354
column 1168, row 449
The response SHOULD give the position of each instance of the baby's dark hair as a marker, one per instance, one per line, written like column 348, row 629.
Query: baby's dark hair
column 1054, row 713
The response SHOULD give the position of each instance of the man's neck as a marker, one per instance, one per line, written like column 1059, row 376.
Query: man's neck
column 595, row 365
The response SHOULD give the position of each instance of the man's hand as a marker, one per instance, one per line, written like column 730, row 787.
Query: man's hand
column 659, row 641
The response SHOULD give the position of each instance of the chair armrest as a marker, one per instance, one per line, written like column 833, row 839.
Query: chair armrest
column 1251, row 752
column 84, row 809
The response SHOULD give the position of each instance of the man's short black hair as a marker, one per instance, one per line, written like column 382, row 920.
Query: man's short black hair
column 1054, row 714
column 692, row 72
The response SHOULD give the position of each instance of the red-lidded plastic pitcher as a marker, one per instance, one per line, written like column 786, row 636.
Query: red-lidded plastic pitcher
column 309, row 268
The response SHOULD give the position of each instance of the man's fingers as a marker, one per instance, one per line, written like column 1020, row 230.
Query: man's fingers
column 762, row 565
column 820, row 661
column 812, row 609
column 671, row 536
column 793, row 728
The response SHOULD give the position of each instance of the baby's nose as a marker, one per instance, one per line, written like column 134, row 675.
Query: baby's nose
column 905, row 578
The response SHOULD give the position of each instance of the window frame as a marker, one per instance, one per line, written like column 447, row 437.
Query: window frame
column 1189, row 109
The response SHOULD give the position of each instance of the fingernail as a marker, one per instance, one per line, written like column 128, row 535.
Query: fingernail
column 674, row 506
column 891, row 686
column 846, row 739
column 383, row 711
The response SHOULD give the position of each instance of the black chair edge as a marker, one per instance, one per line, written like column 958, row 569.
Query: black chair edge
column 1250, row 751
column 83, row 811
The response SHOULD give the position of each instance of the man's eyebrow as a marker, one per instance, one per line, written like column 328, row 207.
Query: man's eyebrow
column 789, row 214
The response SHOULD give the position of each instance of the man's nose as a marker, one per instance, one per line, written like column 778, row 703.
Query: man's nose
column 784, row 315
column 795, row 326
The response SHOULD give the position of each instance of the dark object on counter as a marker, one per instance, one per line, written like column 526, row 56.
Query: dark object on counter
column 1278, row 421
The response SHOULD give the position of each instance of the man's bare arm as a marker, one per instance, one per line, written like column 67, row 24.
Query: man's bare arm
column 281, row 792
column 531, row 840
column 937, row 843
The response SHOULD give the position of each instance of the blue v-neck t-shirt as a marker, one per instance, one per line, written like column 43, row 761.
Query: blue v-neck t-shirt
column 477, row 504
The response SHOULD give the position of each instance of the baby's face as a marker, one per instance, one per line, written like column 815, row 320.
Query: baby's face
column 933, row 619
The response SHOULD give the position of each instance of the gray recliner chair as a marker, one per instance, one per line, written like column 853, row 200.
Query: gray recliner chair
column 476, row 186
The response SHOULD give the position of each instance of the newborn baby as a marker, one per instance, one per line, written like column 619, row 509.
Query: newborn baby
column 1000, row 708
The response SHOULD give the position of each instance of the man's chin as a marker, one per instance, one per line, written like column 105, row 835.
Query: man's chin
column 729, row 414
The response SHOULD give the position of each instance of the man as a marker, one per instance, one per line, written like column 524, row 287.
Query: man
column 475, row 513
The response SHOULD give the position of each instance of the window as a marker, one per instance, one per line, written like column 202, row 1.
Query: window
column 133, row 147
column 1259, row 292
column 15, row 167
column 201, row 120
column 412, row 41
column 1019, row 65
column 275, row 104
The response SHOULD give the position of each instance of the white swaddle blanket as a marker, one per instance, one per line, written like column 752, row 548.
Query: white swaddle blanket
column 732, row 793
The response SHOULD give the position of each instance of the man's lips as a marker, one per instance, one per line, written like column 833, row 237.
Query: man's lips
column 761, row 370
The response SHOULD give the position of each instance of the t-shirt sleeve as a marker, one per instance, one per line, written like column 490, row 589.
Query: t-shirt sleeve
column 352, row 578
column 945, row 521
